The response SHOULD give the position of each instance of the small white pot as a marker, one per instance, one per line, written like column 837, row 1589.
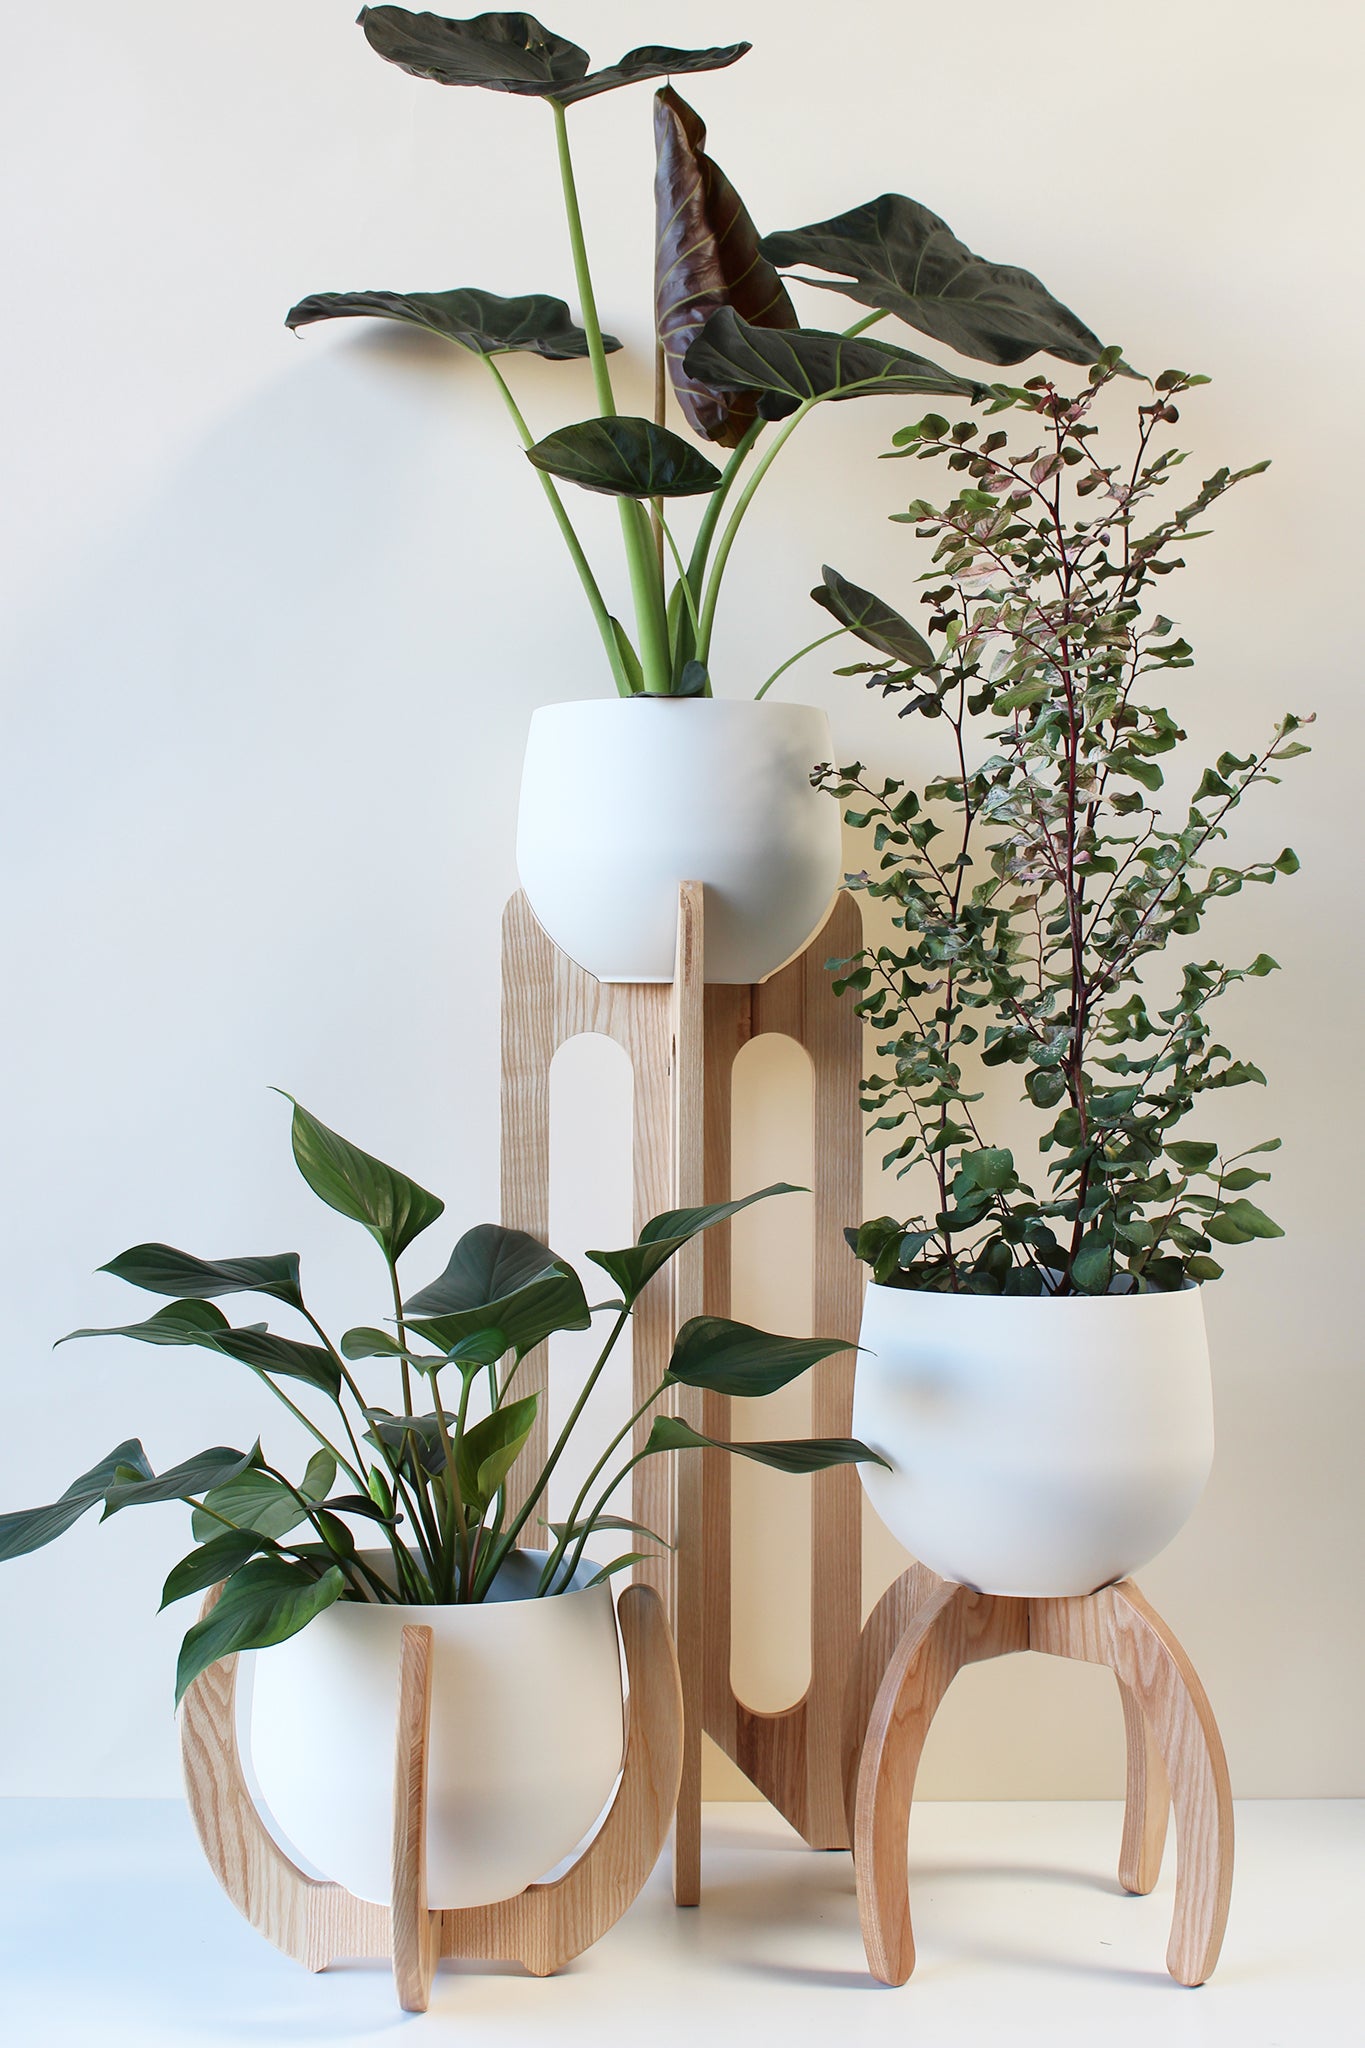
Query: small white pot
column 526, row 1736
column 624, row 798
column 1039, row 1446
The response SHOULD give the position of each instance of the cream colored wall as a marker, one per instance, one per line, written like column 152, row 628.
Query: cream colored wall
column 277, row 613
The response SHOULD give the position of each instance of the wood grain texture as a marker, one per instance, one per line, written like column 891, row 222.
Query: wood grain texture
column 795, row 1757
column 687, row 1051
column 542, row 1927
column 1117, row 1627
column 1147, row 1800
column 414, row 1950
column 1165, row 1707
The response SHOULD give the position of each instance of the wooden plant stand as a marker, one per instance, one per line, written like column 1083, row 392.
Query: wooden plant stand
column 916, row 1641
column 542, row 1928
column 682, row 1039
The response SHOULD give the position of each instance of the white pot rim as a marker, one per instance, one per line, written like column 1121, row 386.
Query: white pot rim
column 414, row 1614
column 945, row 1294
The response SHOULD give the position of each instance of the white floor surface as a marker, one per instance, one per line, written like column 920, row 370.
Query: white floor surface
column 113, row 1934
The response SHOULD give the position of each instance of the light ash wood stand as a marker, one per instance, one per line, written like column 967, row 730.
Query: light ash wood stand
column 918, row 1638
column 542, row 1928
column 682, row 1039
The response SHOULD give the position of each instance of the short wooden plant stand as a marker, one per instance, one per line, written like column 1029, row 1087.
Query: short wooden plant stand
column 542, row 1928
column 922, row 1633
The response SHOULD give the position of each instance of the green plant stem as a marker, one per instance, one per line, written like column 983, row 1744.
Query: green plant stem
column 422, row 1497
column 646, row 578
column 591, row 588
column 800, row 655
column 701, row 546
column 727, row 539
column 682, row 585
column 552, row 1562
column 535, row 1492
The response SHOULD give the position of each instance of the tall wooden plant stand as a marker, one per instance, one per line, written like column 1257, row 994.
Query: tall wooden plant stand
column 917, row 1640
column 682, row 1039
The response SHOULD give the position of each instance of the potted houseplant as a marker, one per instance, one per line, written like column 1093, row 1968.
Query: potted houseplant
column 623, row 799
column 404, row 1516
column 1036, row 1371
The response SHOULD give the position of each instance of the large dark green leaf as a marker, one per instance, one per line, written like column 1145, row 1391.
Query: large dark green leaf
column 733, row 1358
column 663, row 1235
column 787, row 367
column 392, row 1208
column 266, row 1601
column 257, row 1500
column 486, row 1453
column 872, row 620
column 803, row 1454
column 161, row 1269
column 211, row 1562
column 893, row 253
column 207, row 1469
column 625, row 458
column 706, row 256
column 30, row 1528
column 515, row 53
column 480, row 321
column 500, row 1279
column 269, row 1353
column 180, row 1322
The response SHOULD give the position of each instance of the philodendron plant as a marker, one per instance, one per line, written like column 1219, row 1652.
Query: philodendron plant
column 434, row 1487
column 727, row 337
column 1035, row 884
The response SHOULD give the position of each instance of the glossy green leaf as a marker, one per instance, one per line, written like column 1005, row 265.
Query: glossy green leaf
column 268, row 1600
column 566, row 1532
column 625, row 458
column 212, row 1562
column 30, row 1528
column 872, row 620
column 789, row 367
column 485, row 1454
column 266, row 1352
column 500, row 1279
column 706, row 256
column 208, row 1469
column 733, row 1358
column 401, row 1432
column 1246, row 1217
column 806, row 1454
column 180, row 1322
column 894, row 254
column 665, row 1234
column 257, row 1500
column 480, row 321
column 620, row 1564
column 514, row 53
column 365, row 1342
column 161, row 1269
column 392, row 1208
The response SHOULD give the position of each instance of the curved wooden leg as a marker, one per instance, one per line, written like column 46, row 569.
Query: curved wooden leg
column 1147, row 1800
column 311, row 1920
column 1118, row 1628
column 953, row 1628
column 414, row 1946
column 883, row 1630
column 545, row 1926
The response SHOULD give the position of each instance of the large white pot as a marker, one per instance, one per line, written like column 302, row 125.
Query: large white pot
column 624, row 798
column 1039, row 1445
column 526, row 1736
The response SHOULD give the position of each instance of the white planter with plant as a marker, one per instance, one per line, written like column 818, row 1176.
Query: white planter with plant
column 1035, row 1371
column 513, row 1785
column 601, row 876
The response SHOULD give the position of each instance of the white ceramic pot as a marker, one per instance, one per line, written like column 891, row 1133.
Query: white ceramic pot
column 624, row 798
column 1039, row 1446
column 526, row 1736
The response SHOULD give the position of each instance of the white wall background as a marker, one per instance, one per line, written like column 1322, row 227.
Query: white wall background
column 276, row 613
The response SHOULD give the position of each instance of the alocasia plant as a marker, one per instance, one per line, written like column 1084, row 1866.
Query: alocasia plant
column 727, row 337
